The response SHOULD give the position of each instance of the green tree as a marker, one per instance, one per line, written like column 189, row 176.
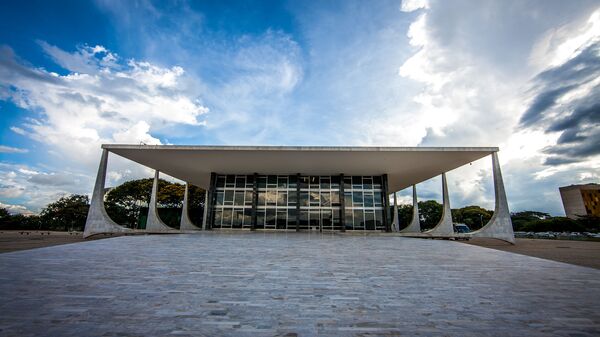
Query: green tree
column 67, row 213
column 473, row 216
column 430, row 212
column 127, row 203
column 521, row 219
column 405, row 215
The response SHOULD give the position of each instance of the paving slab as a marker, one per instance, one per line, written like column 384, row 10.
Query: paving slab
column 291, row 284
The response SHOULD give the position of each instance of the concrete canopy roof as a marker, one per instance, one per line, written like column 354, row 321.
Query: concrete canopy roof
column 405, row 166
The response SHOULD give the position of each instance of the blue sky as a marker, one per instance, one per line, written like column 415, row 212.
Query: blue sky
column 519, row 75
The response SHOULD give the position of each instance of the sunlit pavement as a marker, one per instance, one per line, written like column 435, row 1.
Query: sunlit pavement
column 286, row 284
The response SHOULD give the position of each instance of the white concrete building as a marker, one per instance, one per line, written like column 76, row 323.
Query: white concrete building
column 302, row 188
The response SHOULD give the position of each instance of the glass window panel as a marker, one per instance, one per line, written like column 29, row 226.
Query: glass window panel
column 335, row 198
column 240, row 181
column 282, row 197
column 335, row 182
column 281, row 219
column 293, row 183
column 220, row 195
column 270, row 218
column 248, row 198
column 314, row 182
column 325, row 199
column 377, row 182
column 292, row 198
column 357, row 182
column 271, row 198
column 250, row 181
column 272, row 181
column 238, row 218
column 347, row 183
column 335, row 219
column 282, row 182
column 314, row 198
column 230, row 181
column 262, row 182
column 368, row 199
column 348, row 199
column 369, row 220
column 261, row 198
column 228, row 197
column 377, row 200
column 303, row 219
column 359, row 222
column 326, row 218
column 220, row 181
column 357, row 199
column 367, row 183
column 239, row 198
column 227, row 217
column 291, row 218
column 247, row 217
column 348, row 220
column 303, row 182
column 314, row 219
column 218, row 217
column 260, row 219
column 325, row 183
column 379, row 219
column 304, row 199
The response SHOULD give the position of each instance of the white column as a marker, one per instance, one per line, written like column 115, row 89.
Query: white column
column 154, row 223
column 205, row 211
column 395, row 224
column 98, row 220
column 500, row 225
column 186, row 223
column 415, row 224
column 444, row 227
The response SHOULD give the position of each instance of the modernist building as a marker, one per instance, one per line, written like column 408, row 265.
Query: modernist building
column 302, row 188
column 581, row 200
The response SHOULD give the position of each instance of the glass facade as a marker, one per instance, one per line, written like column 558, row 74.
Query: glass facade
column 299, row 202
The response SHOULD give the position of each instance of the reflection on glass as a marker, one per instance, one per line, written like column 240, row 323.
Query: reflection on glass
column 314, row 198
column 303, row 182
column 314, row 220
column 282, row 198
column 270, row 222
column 282, row 182
column 348, row 220
column 291, row 217
column 272, row 181
column 239, row 198
column 347, row 183
column 228, row 197
column 335, row 182
column 262, row 182
column 227, row 217
column 238, row 218
column 292, row 184
column 314, row 182
column 335, row 198
column 325, row 183
column 377, row 199
column 367, row 183
column 325, row 199
column 218, row 217
column 358, row 219
column 271, row 198
column 368, row 199
column 357, row 198
column 292, row 198
column 303, row 219
column 369, row 220
column 220, row 195
column 261, row 198
column 281, row 219
column 303, row 199
column 248, row 198
column 260, row 219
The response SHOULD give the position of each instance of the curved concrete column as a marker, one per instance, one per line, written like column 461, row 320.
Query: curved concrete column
column 395, row 223
column 415, row 224
column 186, row 224
column 204, row 210
column 98, row 220
column 444, row 227
column 154, row 223
column 500, row 225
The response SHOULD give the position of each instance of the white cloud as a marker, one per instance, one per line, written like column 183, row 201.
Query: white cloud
column 102, row 99
column 16, row 209
column 413, row 5
column 10, row 149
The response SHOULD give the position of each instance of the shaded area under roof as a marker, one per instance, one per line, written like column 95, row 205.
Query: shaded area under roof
column 405, row 166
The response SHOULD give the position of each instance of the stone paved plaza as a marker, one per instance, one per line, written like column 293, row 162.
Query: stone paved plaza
column 266, row 284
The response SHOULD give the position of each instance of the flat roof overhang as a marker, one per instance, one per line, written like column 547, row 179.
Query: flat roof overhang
column 405, row 166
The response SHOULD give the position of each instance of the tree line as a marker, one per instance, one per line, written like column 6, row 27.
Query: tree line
column 127, row 204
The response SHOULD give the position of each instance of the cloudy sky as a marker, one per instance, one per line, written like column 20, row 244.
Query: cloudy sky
column 521, row 75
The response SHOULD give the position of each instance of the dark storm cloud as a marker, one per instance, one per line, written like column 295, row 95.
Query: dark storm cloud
column 577, row 119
